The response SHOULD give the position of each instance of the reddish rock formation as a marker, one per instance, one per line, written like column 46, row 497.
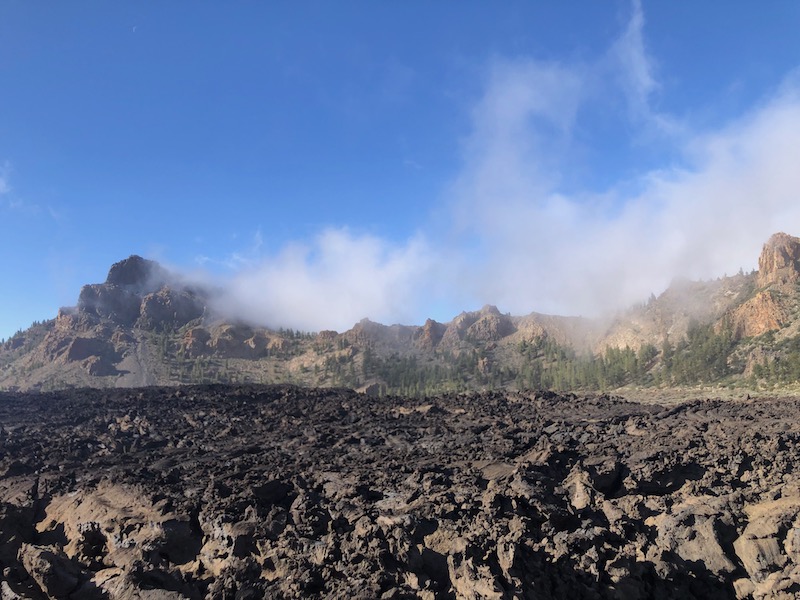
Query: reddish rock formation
column 82, row 348
column 149, row 325
column 762, row 313
column 429, row 335
column 779, row 263
column 485, row 325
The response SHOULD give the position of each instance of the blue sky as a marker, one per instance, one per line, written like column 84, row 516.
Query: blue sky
column 332, row 161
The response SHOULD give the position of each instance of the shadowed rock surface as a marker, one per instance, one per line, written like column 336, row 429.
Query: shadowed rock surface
column 284, row 492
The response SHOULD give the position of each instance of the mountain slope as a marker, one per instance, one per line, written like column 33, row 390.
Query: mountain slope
column 145, row 326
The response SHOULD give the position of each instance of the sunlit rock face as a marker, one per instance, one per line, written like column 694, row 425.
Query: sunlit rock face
column 762, row 313
column 779, row 262
column 771, row 306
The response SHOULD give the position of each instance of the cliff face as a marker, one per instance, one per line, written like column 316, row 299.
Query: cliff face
column 772, row 306
column 429, row 335
column 779, row 263
column 485, row 325
column 764, row 312
column 750, row 305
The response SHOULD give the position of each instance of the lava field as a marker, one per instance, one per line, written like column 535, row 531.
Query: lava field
column 243, row 492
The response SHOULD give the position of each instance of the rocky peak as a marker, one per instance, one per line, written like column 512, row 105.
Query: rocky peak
column 140, row 291
column 491, row 326
column 370, row 333
column 487, row 324
column 429, row 335
column 779, row 262
column 137, row 273
column 490, row 310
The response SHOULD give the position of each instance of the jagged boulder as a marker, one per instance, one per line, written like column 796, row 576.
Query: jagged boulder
column 53, row 572
column 278, row 491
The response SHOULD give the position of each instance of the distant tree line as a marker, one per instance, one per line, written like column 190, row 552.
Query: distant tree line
column 782, row 365
column 704, row 356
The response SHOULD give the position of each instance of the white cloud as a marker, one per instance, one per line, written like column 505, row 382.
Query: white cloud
column 246, row 258
column 587, row 252
column 636, row 72
column 331, row 283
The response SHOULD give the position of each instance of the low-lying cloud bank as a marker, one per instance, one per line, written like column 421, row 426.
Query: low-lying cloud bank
column 331, row 283
column 589, row 253
column 519, row 236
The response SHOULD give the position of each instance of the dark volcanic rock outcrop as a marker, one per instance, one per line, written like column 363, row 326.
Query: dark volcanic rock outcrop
column 275, row 492
column 139, row 291
column 138, row 274
column 110, row 301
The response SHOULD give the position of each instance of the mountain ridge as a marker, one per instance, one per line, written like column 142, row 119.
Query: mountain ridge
column 145, row 326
